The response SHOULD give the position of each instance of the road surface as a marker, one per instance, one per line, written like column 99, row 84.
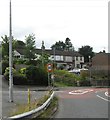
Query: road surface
column 83, row 103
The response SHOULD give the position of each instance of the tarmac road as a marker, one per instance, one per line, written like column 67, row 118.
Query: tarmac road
column 77, row 104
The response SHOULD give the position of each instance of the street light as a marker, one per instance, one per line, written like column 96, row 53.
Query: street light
column 10, row 57
column 90, row 67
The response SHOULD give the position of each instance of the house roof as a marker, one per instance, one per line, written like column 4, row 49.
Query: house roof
column 57, row 52
column 21, row 51
column 51, row 52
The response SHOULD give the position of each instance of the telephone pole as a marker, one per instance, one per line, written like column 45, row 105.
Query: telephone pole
column 10, row 57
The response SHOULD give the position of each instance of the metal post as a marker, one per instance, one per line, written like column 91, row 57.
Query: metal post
column 43, row 53
column 53, row 67
column 10, row 58
column 90, row 68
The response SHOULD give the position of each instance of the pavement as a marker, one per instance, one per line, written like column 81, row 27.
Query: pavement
column 20, row 96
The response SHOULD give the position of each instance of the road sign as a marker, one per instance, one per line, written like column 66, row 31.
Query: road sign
column 49, row 67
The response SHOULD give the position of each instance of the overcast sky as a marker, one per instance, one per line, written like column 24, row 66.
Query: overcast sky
column 85, row 22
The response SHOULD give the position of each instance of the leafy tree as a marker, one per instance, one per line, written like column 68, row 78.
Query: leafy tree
column 59, row 45
column 68, row 45
column 45, row 59
column 86, row 51
column 5, row 46
column 30, row 46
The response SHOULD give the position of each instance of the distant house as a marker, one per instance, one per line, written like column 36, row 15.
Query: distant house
column 19, row 53
column 69, row 59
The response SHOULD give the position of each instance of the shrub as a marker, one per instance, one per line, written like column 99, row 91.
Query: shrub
column 23, row 70
column 19, row 61
column 65, row 77
column 36, row 75
column 5, row 64
column 84, row 74
column 18, row 78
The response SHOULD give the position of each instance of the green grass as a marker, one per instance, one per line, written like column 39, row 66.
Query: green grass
column 49, row 112
column 22, row 108
column 61, row 84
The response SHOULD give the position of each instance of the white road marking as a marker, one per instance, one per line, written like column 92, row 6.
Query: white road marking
column 80, row 92
column 103, row 98
column 106, row 94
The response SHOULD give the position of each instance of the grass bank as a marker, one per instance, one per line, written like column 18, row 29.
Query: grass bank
column 22, row 108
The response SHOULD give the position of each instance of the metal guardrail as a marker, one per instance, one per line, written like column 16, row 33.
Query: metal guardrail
column 33, row 113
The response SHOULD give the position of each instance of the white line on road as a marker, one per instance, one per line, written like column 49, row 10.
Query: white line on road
column 103, row 98
column 80, row 92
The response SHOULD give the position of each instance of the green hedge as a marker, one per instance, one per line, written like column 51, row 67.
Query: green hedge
column 36, row 75
column 18, row 78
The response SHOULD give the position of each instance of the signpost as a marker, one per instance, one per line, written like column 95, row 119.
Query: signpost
column 49, row 70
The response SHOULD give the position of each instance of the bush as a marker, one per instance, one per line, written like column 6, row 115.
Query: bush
column 18, row 78
column 5, row 64
column 36, row 75
column 23, row 70
column 65, row 77
column 19, row 61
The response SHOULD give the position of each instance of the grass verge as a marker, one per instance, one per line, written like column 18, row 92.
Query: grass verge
column 52, row 108
column 22, row 108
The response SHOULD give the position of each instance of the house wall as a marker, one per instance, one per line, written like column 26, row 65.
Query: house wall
column 100, row 62
column 68, row 59
column 78, row 61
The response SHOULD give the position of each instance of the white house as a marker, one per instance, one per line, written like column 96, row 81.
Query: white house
column 68, row 59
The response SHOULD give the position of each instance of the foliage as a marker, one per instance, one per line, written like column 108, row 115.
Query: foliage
column 5, row 46
column 59, row 45
column 86, row 51
column 30, row 46
column 19, row 61
column 18, row 78
column 5, row 64
column 84, row 74
column 23, row 70
column 36, row 75
column 65, row 77
column 67, row 45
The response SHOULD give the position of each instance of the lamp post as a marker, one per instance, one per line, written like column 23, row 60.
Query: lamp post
column 10, row 57
column 90, row 68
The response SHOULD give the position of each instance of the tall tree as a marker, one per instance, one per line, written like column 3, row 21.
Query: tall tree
column 5, row 46
column 68, row 45
column 86, row 51
column 30, row 46
column 59, row 45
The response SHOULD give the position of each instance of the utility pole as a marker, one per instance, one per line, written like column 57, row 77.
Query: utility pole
column 43, row 47
column 10, row 57
column 90, row 67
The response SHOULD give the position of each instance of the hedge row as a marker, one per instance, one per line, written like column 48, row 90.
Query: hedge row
column 30, row 76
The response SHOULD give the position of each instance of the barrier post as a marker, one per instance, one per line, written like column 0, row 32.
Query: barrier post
column 29, row 98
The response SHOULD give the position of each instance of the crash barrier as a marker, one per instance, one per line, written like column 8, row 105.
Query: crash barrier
column 35, row 112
